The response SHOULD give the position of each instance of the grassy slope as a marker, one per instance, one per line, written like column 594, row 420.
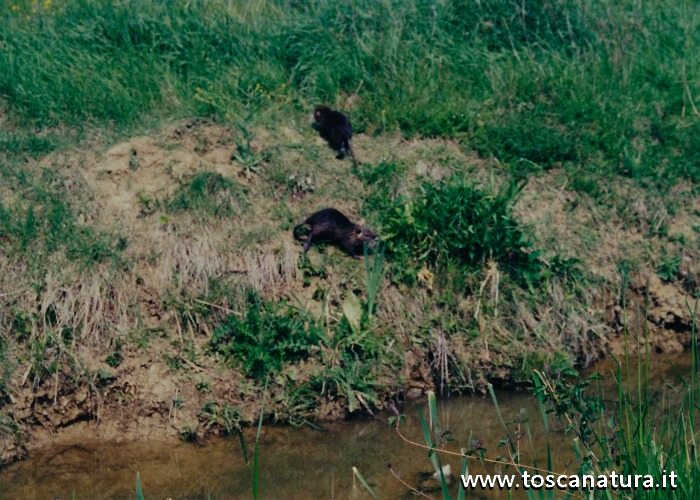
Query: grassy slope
column 108, row 251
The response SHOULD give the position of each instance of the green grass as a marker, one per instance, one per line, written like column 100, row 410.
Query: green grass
column 344, row 357
column 598, row 88
column 139, row 488
column 27, row 143
column 634, row 434
column 41, row 220
column 209, row 194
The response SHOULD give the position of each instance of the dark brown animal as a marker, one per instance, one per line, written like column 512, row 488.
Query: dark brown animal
column 334, row 127
column 333, row 226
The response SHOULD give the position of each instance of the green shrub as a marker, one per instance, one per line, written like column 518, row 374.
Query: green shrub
column 453, row 220
column 266, row 337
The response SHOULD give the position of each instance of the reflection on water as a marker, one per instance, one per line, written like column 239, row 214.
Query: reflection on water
column 302, row 463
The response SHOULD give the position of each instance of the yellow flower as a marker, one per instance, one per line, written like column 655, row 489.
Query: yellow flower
column 47, row 4
column 14, row 8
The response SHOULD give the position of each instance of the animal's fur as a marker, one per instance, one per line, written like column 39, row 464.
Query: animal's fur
column 335, row 127
column 333, row 226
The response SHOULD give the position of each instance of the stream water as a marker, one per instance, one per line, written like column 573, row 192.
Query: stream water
column 305, row 463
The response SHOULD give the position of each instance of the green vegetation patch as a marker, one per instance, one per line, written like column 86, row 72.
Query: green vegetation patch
column 454, row 220
column 265, row 337
column 209, row 193
column 26, row 143
column 43, row 222
column 610, row 87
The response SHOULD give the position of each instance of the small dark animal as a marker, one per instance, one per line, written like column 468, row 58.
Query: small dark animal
column 331, row 225
column 335, row 128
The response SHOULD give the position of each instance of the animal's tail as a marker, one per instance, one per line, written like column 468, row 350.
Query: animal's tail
column 350, row 149
column 296, row 229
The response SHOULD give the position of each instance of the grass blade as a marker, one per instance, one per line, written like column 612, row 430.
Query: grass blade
column 362, row 481
column 463, row 472
column 244, row 446
column 139, row 489
column 511, row 444
column 427, row 428
column 428, row 442
column 256, row 452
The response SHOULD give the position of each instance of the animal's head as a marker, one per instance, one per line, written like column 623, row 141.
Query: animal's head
column 321, row 112
column 366, row 235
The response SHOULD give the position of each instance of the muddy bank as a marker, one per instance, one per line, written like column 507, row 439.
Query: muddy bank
column 305, row 462
column 146, row 400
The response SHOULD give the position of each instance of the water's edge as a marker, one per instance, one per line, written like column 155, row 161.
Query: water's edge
column 302, row 462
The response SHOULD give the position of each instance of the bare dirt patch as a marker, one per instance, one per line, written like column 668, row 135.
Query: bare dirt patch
column 652, row 312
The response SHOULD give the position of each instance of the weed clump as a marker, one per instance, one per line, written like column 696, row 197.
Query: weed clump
column 266, row 337
column 454, row 221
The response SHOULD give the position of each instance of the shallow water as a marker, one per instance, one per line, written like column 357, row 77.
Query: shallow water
column 303, row 462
